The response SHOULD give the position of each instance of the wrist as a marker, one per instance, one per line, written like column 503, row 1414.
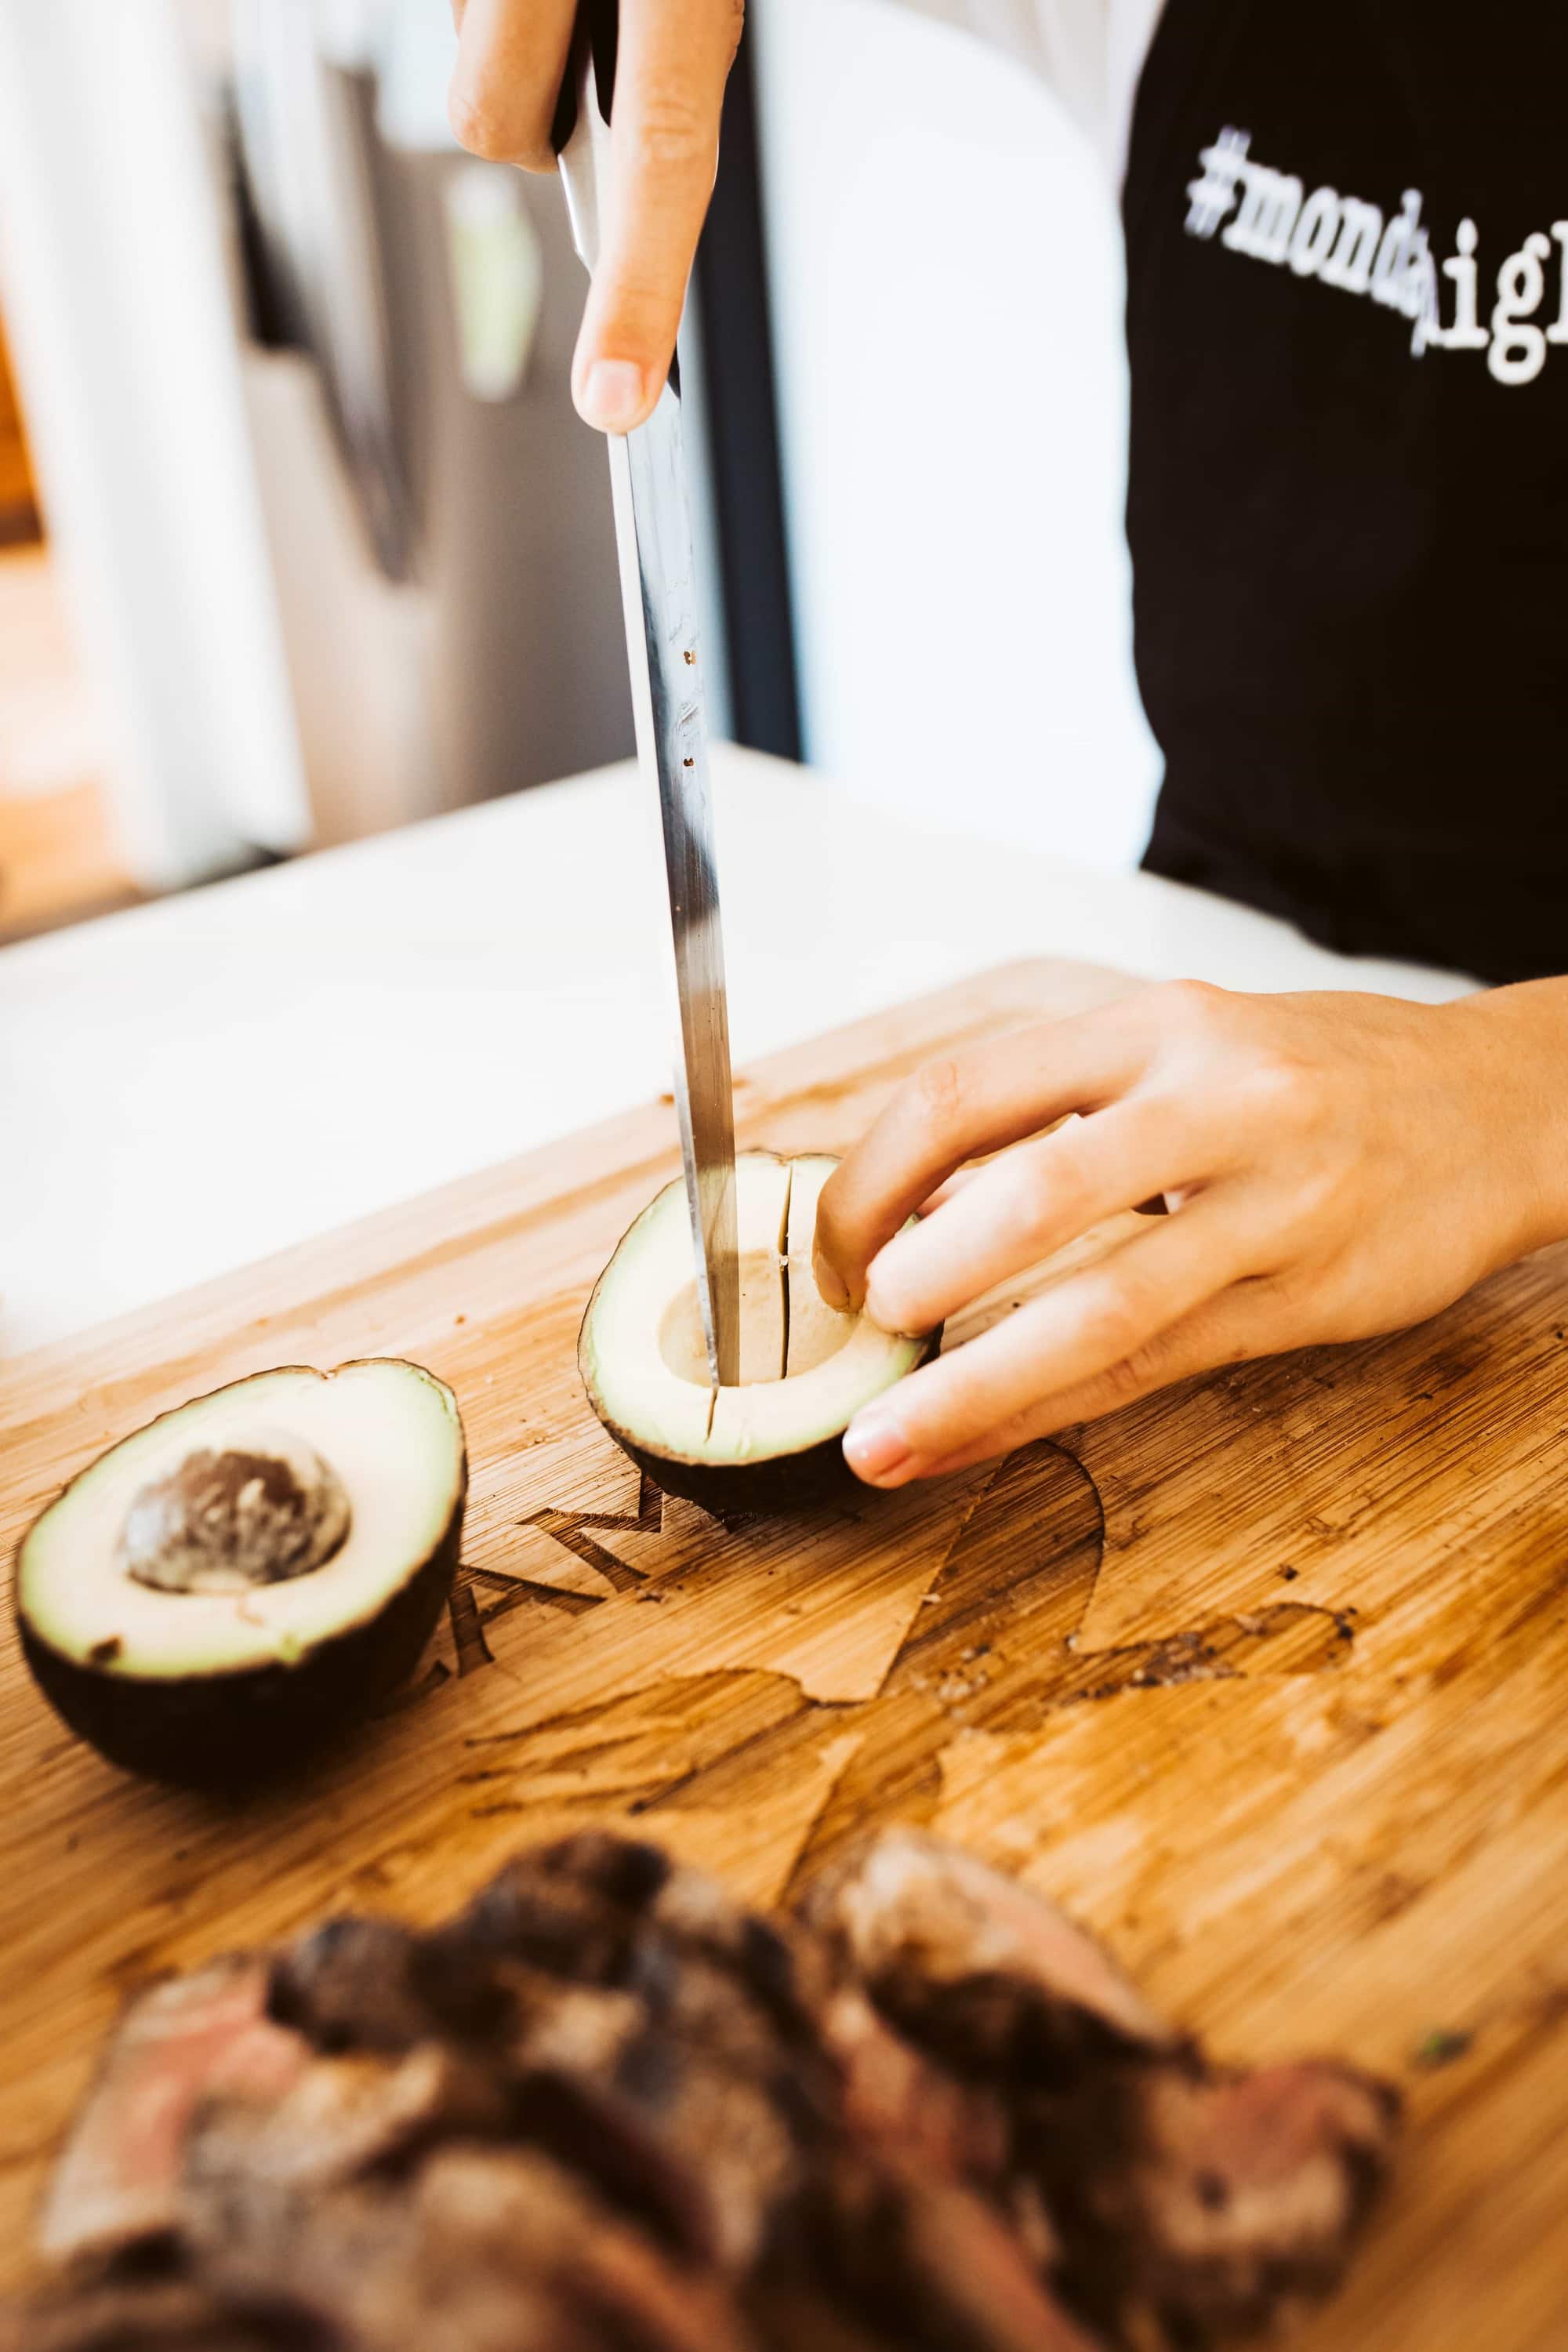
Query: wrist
column 1516, row 1042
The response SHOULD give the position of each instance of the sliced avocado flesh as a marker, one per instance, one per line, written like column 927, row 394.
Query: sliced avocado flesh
column 309, row 1525
column 762, row 1206
column 805, row 1369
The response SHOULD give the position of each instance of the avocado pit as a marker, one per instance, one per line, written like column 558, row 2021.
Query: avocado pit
column 265, row 1509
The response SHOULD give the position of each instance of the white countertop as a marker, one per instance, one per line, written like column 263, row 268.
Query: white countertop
column 199, row 1082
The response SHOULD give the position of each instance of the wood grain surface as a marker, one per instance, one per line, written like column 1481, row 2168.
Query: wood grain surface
column 1263, row 1678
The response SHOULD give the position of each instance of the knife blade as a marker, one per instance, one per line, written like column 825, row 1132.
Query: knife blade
column 654, row 543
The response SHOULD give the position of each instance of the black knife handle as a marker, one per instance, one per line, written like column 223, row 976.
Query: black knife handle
column 599, row 22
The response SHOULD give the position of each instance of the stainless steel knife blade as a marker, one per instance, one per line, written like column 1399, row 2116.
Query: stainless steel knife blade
column 653, row 536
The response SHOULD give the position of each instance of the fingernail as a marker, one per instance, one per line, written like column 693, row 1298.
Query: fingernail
column 613, row 396
column 875, row 1447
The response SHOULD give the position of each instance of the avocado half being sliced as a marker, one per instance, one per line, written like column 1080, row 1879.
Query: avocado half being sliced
column 250, row 1574
column 772, row 1443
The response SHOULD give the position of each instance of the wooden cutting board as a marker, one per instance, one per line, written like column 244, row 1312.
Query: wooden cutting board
column 1265, row 1678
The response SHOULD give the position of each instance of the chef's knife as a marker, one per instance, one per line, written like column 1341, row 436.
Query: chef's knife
column 653, row 535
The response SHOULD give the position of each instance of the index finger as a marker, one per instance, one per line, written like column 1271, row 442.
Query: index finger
column 972, row 1102
column 1109, row 1314
column 673, row 62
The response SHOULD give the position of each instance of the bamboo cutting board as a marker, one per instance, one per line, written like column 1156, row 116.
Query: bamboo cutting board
column 1267, row 1679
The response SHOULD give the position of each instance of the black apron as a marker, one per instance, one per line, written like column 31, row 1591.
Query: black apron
column 1350, row 558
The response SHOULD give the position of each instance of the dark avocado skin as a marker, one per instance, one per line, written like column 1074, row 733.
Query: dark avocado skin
column 774, row 1487
column 745, row 1490
column 231, row 1731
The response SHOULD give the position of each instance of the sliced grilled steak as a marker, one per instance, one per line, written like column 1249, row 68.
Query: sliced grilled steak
column 345, row 2117
column 371, row 1984
column 975, row 1968
column 187, row 2041
column 607, row 2108
column 929, row 2264
column 478, row 2249
column 1188, row 2207
column 1244, row 2198
column 159, row 2315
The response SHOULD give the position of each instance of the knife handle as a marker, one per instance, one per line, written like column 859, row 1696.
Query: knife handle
column 597, row 36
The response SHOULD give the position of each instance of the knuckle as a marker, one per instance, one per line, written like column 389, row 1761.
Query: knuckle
column 1189, row 1004
column 675, row 133
column 1074, row 1174
column 1127, row 1376
column 473, row 124
column 485, row 129
column 1020, row 1197
column 934, row 1098
column 1113, row 1323
column 1289, row 1299
column 1280, row 1089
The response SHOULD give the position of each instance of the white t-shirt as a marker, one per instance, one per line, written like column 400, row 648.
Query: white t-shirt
column 1091, row 52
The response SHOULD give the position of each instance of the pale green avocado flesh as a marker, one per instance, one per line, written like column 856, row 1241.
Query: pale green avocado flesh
column 249, row 1573
column 772, row 1439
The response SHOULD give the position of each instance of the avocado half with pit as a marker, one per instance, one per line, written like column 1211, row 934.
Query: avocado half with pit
column 251, row 1574
column 773, row 1442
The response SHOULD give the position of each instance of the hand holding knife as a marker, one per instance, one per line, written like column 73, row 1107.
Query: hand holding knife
column 653, row 536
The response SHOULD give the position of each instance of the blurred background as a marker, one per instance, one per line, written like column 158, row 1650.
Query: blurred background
column 300, row 539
